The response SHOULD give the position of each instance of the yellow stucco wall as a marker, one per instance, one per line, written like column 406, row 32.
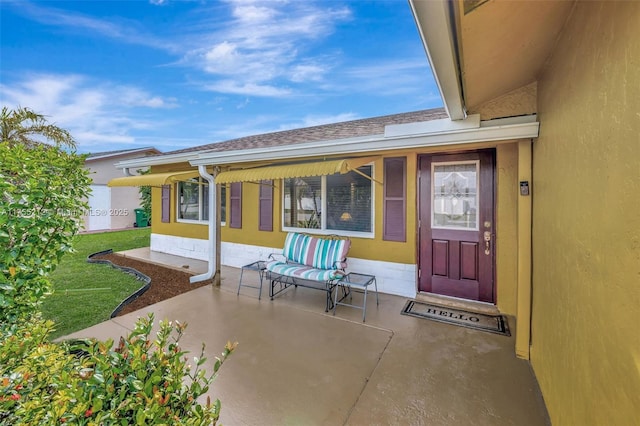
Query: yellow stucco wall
column 506, row 227
column 376, row 248
column 366, row 248
column 586, row 228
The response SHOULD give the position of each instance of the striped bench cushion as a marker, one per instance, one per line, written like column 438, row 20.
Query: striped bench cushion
column 316, row 252
column 303, row 272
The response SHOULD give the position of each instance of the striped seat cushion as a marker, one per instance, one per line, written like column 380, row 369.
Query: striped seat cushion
column 316, row 252
column 302, row 271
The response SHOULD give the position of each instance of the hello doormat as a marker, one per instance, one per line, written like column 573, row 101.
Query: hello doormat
column 491, row 323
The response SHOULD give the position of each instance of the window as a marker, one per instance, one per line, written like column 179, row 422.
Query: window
column 455, row 195
column 223, row 204
column 341, row 202
column 193, row 201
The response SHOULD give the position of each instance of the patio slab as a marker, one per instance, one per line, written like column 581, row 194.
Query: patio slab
column 297, row 365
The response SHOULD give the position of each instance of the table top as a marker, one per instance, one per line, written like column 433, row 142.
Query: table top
column 358, row 279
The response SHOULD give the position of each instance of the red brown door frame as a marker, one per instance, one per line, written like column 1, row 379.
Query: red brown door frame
column 458, row 262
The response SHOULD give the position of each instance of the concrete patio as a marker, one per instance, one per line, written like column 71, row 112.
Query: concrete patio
column 297, row 365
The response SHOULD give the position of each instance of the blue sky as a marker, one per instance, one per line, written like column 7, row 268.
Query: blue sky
column 175, row 74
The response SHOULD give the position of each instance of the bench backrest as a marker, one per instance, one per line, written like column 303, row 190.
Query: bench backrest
column 321, row 253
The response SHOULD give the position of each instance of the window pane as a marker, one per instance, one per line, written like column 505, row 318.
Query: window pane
column 302, row 202
column 188, row 200
column 349, row 201
column 205, row 200
column 455, row 196
column 223, row 203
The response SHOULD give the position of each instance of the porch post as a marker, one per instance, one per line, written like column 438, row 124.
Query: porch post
column 523, row 308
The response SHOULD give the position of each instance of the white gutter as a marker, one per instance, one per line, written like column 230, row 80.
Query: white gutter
column 156, row 160
column 511, row 129
column 434, row 21
column 213, row 218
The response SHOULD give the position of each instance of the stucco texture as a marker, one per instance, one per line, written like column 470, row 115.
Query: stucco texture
column 586, row 228
column 506, row 228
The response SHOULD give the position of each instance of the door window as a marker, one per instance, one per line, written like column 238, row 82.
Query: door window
column 454, row 195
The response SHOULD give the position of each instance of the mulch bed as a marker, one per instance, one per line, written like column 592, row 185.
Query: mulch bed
column 165, row 282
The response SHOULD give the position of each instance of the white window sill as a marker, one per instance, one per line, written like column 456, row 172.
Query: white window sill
column 341, row 233
column 193, row 222
column 198, row 222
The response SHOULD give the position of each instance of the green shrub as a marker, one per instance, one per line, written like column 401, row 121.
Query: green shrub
column 140, row 381
column 42, row 193
column 145, row 195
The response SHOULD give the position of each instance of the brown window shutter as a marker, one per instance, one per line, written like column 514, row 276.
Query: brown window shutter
column 166, row 203
column 266, row 206
column 235, row 209
column 395, row 205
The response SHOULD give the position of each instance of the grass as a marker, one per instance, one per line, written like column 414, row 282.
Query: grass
column 85, row 294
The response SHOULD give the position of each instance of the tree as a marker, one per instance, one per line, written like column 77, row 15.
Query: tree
column 142, row 380
column 25, row 127
column 145, row 196
column 42, row 193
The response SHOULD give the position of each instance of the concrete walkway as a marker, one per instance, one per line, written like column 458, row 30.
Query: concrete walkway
column 297, row 365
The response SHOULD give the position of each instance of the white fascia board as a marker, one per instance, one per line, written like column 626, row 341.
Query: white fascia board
column 433, row 19
column 156, row 160
column 484, row 133
column 120, row 154
column 432, row 126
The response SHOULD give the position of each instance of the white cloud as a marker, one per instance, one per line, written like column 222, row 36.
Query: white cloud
column 264, row 44
column 386, row 78
column 308, row 72
column 249, row 89
column 159, row 2
column 95, row 112
column 134, row 97
column 122, row 29
column 252, row 14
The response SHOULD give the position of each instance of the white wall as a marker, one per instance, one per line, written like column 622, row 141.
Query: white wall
column 392, row 278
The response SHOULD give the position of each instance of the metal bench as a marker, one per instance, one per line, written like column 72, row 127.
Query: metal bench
column 308, row 261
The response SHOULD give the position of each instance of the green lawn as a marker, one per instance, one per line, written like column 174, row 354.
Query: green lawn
column 86, row 293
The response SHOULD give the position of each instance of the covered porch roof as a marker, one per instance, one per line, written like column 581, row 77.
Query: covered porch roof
column 480, row 50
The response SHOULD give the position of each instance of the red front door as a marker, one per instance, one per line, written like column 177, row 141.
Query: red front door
column 457, row 225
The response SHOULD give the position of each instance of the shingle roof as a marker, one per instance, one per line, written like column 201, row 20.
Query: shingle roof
column 334, row 131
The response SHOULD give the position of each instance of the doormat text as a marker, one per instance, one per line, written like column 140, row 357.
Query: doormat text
column 492, row 323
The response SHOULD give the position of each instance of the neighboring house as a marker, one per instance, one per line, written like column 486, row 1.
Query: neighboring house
column 111, row 208
column 522, row 193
